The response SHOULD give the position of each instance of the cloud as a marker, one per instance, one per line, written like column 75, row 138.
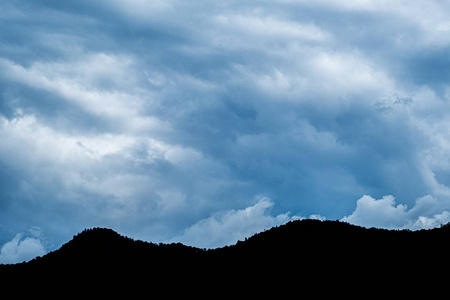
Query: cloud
column 89, row 86
column 21, row 248
column 151, row 116
column 378, row 213
column 385, row 213
column 122, row 174
column 260, row 27
column 227, row 228
column 139, row 10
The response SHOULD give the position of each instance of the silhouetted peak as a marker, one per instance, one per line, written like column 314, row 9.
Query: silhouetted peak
column 98, row 233
column 97, row 240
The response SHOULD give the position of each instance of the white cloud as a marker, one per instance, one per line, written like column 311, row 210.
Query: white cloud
column 336, row 78
column 102, row 165
column 229, row 227
column 348, row 72
column 427, row 21
column 99, row 84
column 53, row 146
column 21, row 249
column 270, row 27
column 436, row 220
column 385, row 213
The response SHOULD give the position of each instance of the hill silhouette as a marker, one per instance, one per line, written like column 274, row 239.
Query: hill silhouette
column 325, row 257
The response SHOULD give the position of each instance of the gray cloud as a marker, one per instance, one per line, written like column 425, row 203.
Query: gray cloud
column 154, row 117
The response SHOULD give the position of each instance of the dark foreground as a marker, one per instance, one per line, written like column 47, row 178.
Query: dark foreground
column 301, row 259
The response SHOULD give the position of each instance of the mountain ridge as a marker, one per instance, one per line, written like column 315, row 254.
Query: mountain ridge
column 323, row 252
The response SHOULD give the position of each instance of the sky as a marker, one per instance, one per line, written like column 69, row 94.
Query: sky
column 205, row 122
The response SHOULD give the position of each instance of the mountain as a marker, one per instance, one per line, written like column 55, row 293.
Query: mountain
column 302, row 256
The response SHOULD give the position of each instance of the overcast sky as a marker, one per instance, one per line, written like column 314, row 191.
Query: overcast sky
column 204, row 122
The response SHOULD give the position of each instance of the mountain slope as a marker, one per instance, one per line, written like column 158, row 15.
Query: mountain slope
column 304, row 254
column 349, row 250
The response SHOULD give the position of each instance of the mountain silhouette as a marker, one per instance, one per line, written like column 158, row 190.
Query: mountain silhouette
column 303, row 256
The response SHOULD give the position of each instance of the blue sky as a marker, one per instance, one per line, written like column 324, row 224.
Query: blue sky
column 204, row 122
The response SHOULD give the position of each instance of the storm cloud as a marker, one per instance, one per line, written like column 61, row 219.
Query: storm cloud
column 161, row 118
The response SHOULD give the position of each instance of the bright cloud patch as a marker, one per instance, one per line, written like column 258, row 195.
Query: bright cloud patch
column 385, row 213
column 20, row 249
column 227, row 228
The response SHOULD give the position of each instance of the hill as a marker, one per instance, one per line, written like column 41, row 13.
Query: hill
column 300, row 256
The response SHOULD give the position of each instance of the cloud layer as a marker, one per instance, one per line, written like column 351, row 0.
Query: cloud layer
column 166, row 119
